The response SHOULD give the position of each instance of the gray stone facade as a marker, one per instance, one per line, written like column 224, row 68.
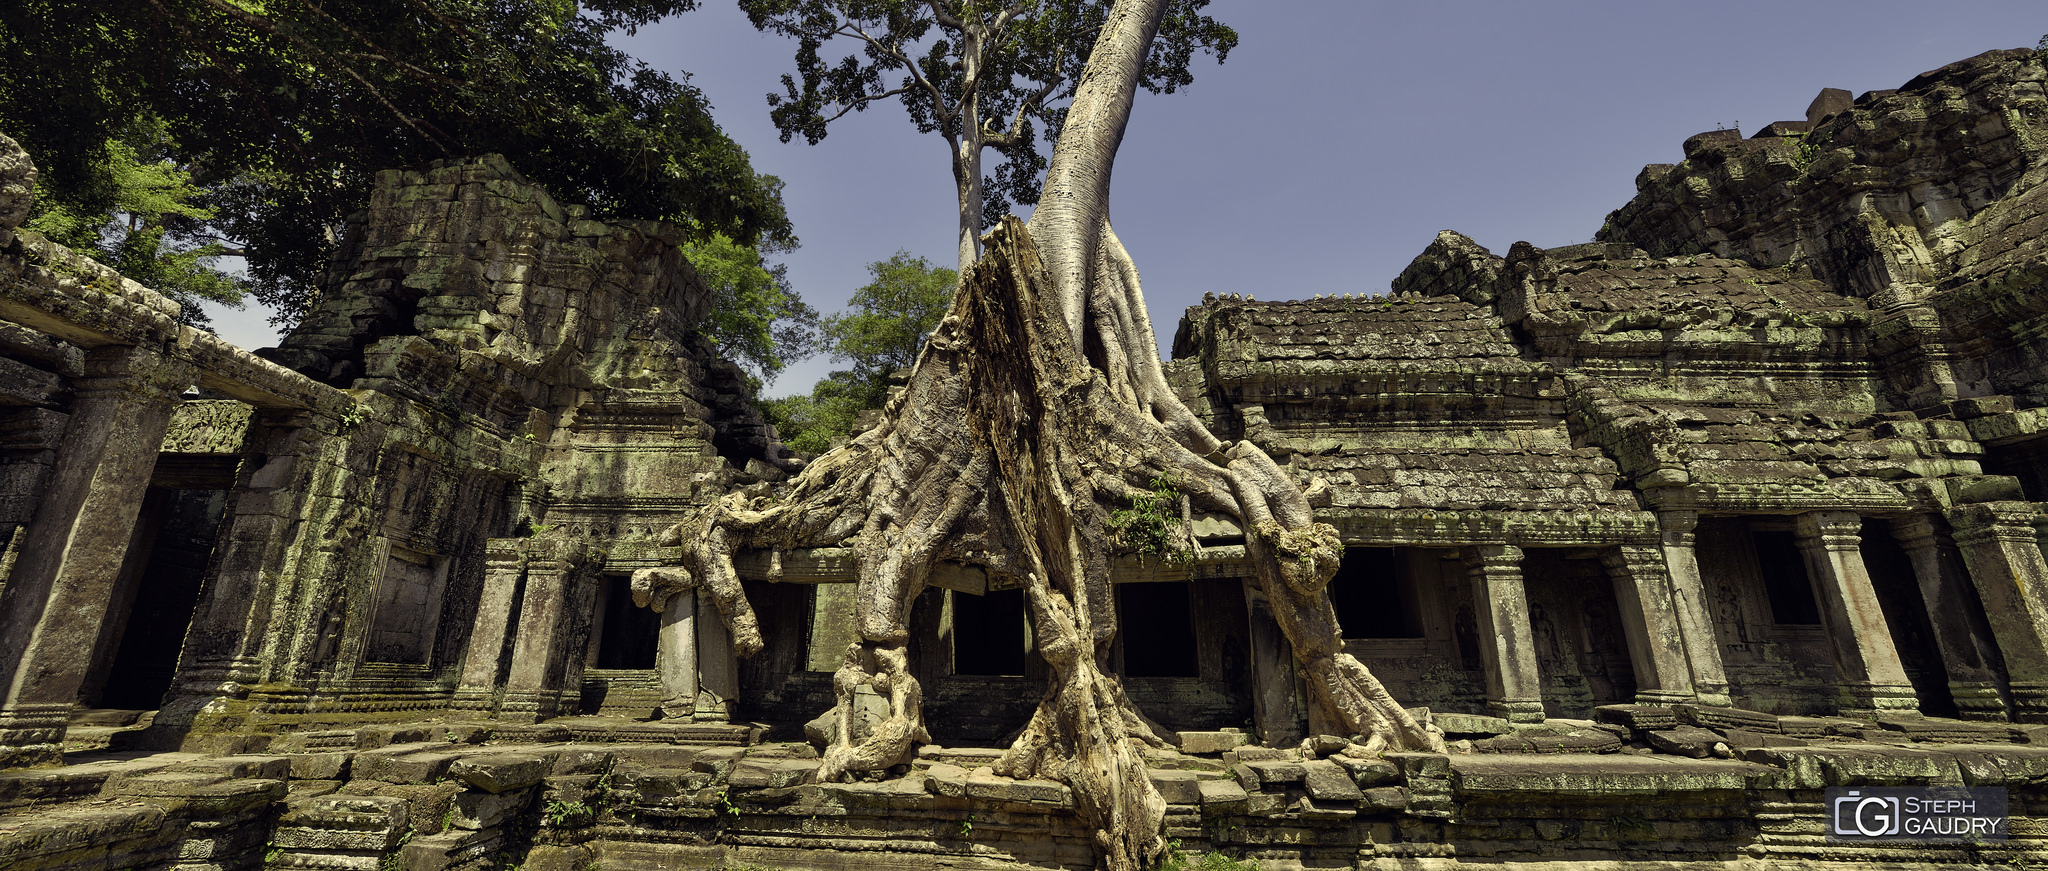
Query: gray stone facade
column 1668, row 533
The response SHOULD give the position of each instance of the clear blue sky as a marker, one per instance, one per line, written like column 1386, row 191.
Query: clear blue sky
column 1341, row 136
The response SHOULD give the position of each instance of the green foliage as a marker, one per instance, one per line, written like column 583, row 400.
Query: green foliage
column 1031, row 56
column 283, row 111
column 151, row 223
column 1152, row 525
column 890, row 315
column 563, row 814
column 758, row 320
column 882, row 331
column 1214, row 860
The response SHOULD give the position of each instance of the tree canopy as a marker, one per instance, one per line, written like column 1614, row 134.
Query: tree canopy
column 880, row 333
column 981, row 74
column 282, row 112
column 758, row 320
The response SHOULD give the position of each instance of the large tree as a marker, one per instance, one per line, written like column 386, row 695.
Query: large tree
column 983, row 74
column 283, row 112
column 1038, row 409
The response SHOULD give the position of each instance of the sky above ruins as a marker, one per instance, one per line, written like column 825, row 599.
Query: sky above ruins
column 1341, row 135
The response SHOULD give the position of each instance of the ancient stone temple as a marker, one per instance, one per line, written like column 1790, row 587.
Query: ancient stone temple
column 1667, row 533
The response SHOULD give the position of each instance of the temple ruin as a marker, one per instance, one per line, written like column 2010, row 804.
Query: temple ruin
column 1666, row 533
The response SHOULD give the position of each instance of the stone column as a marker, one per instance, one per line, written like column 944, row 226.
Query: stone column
column 482, row 665
column 718, row 668
column 1689, row 601
column 1656, row 646
column 1513, row 684
column 223, row 651
column 1872, row 681
column 56, row 597
column 675, row 656
column 538, row 678
column 1276, row 708
column 1967, row 649
column 2001, row 547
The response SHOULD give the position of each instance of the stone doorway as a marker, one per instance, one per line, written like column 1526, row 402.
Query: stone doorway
column 154, row 598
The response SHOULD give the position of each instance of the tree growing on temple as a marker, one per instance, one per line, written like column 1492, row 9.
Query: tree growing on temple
column 1038, row 408
column 983, row 75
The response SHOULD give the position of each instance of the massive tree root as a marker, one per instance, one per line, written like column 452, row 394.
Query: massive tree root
column 1037, row 408
column 1008, row 450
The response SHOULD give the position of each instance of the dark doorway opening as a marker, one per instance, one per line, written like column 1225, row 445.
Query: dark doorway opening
column 629, row 634
column 988, row 633
column 1783, row 569
column 154, row 598
column 1374, row 594
column 1158, row 630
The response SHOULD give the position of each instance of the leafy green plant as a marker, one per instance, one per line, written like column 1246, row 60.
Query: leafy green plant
column 1152, row 526
column 560, row 813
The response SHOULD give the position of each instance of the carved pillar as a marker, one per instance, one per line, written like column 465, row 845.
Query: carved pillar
column 675, row 657
column 1276, row 708
column 482, row 666
column 558, row 596
column 1656, row 646
column 1872, row 681
column 718, row 668
column 1967, row 650
column 56, row 597
column 1689, row 602
column 1513, row 684
column 2001, row 547
column 223, row 651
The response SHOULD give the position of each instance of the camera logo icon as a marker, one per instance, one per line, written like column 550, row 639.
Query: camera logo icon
column 1869, row 816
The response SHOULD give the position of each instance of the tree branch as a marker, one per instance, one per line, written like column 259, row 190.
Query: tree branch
column 265, row 26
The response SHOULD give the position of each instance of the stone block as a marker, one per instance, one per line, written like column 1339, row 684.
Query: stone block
column 1264, row 804
column 1636, row 717
column 1708, row 717
column 1368, row 772
column 1689, row 741
column 320, row 766
column 1326, row 781
column 1386, row 798
column 1324, row 745
column 1034, row 791
column 1207, row 743
column 500, row 772
column 1275, row 772
column 474, row 809
column 1470, row 725
column 402, row 764
column 1177, row 787
column 946, row 779
column 1221, row 797
column 1256, row 754
column 770, row 774
column 1415, row 765
column 268, row 767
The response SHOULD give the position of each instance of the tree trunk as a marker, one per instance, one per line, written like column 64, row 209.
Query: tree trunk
column 1037, row 408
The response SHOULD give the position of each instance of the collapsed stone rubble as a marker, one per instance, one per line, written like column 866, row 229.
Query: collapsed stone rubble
column 1667, row 533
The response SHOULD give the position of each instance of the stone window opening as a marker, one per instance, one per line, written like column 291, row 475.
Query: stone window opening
column 989, row 636
column 1156, row 630
column 1375, row 595
column 1786, row 582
